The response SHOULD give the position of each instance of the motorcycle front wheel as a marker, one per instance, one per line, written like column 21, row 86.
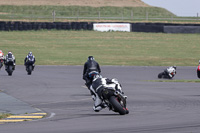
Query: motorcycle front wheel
column 10, row 70
column 29, row 70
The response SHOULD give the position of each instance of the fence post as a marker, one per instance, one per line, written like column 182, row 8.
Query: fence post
column 54, row 14
column 123, row 14
column 131, row 14
column 172, row 18
column 147, row 15
column 197, row 16
column 99, row 15
column 78, row 15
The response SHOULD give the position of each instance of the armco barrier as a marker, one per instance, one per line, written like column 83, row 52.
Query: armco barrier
column 142, row 27
column 181, row 29
column 135, row 27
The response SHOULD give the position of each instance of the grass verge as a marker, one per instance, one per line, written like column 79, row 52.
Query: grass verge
column 32, row 13
column 4, row 115
column 53, row 47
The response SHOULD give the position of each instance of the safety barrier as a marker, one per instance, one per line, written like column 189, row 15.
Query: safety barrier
column 23, row 26
column 135, row 27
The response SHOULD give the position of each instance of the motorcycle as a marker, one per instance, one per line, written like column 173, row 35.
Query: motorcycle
column 90, row 76
column 29, row 67
column 168, row 73
column 198, row 71
column 10, row 67
column 1, row 63
column 115, row 100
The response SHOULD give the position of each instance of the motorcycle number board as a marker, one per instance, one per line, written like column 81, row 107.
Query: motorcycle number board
column 125, row 27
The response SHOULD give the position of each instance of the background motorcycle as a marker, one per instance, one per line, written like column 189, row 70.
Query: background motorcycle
column 198, row 71
column 165, row 74
column 115, row 100
column 1, row 63
column 29, row 67
column 10, row 66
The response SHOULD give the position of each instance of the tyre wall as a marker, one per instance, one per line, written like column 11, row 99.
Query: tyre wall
column 135, row 27
column 23, row 26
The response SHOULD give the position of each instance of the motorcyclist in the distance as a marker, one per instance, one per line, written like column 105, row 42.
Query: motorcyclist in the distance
column 168, row 73
column 98, row 84
column 171, row 71
column 198, row 70
column 90, row 66
column 30, row 60
column 1, row 58
column 9, row 56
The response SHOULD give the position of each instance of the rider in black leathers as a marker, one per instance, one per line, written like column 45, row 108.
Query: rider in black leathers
column 89, row 66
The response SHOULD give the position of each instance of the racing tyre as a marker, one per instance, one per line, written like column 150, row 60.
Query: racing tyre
column 29, row 70
column 117, row 106
column 198, row 74
column 160, row 75
column 10, row 70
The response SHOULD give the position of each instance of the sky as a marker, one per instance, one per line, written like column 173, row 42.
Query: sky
column 178, row 7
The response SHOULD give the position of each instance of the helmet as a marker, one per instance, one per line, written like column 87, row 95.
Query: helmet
column 30, row 53
column 174, row 67
column 90, row 58
column 9, row 52
column 199, row 61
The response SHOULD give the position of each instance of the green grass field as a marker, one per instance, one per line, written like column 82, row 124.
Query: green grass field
column 109, row 48
column 44, row 13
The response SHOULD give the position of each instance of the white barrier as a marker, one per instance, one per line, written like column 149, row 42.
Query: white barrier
column 112, row 27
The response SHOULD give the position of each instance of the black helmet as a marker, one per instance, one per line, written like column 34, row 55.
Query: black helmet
column 90, row 58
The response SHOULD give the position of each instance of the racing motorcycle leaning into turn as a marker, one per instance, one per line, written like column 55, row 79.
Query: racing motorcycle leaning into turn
column 110, row 93
column 168, row 73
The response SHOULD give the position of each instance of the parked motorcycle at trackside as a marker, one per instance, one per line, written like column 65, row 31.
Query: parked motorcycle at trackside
column 168, row 73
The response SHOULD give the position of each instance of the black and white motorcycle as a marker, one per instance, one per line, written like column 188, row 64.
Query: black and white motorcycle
column 115, row 100
column 10, row 66
column 30, row 66
column 168, row 73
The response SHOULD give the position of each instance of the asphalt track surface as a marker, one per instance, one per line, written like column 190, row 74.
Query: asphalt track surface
column 155, row 107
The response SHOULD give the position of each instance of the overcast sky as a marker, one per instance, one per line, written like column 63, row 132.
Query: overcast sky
column 178, row 7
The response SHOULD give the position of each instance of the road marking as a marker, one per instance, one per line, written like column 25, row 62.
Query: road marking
column 24, row 117
column 39, row 113
column 7, row 121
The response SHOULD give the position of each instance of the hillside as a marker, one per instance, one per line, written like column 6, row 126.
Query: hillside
column 92, row 3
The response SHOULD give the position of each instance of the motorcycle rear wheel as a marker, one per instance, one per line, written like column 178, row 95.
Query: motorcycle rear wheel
column 160, row 75
column 117, row 106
